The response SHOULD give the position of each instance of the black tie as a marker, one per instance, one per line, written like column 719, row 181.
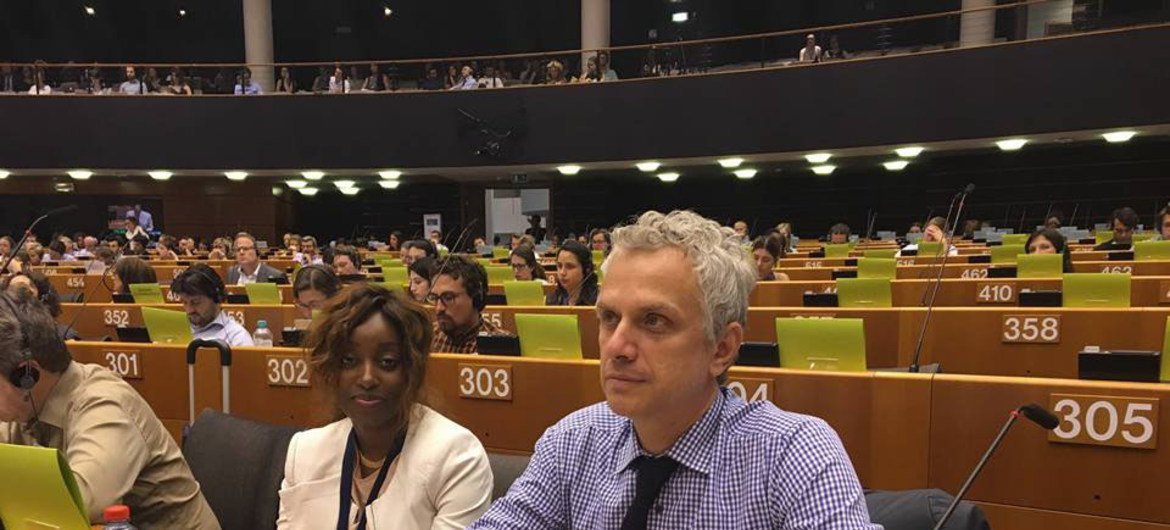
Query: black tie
column 652, row 475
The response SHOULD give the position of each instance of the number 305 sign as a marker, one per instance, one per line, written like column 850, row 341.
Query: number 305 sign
column 1105, row 420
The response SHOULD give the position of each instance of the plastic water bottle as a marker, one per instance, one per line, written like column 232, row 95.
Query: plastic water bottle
column 262, row 336
column 117, row 517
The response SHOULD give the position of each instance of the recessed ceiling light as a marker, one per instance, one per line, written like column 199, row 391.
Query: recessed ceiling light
column 569, row 169
column 896, row 165
column 649, row 166
column 236, row 175
column 389, row 184
column 277, row 191
column 1012, row 144
column 909, row 152
column 160, row 175
column 343, row 184
column 182, row 12
column 296, row 184
column 818, row 158
column 729, row 163
column 4, row 174
column 308, row 190
column 350, row 191
column 89, row 10
column 313, row 175
column 1118, row 136
column 680, row 17
column 386, row 11
column 390, row 174
column 826, row 169
column 668, row 176
column 745, row 173
column 81, row 174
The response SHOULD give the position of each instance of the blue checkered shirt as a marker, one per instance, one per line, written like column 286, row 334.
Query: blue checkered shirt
column 742, row 466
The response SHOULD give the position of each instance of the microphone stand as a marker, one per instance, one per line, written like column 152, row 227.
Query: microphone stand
column 978, row 469
column 946, row 252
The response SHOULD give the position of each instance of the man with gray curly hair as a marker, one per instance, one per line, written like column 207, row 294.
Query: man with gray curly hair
column 670, row 447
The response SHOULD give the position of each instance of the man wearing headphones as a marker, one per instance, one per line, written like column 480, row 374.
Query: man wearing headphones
column 201, row 291
column 119, row 451
column 459, row 293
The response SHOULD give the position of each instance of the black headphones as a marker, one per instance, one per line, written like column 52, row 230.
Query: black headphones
column 219, row 290
column 24, row 376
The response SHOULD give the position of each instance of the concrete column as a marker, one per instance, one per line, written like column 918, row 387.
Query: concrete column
column 977, row 28
column 258, row 42
column 594, row 29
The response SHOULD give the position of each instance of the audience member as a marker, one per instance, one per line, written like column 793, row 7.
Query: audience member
column 312, row 286
column 490, row 79
column 135, row 231
column 452, row 77
column 166, row 248
column 321, row 83
column 89, row 245
column 590, row 73
column 421, row 272
column 741, row 231
column 767, row 252
column 1125, row 221
column 607, row 73
column 839, row 234
column 286, row 84
column 377, row 81
column 144, row 218
column 1049, row 241
column 394, row 242
column 346, row 261
column 39, row 286
column 9, row 81
column 179, row 86
column 417, row 249
column 466, row 80
column 459, row 293
column 246, row 86
column 56, row 252
column 1163, row 225
column 555, row 73
column 599, row 240
column 936, row 232
column 131, row 85
column 432, row 81
column 248, row 268
column 103, row 260
column 576, row 280
column 187, row 247
column 835, row 52
column 221, row 249
column 915, row 228
column 131, row 270
column 525, row 266
column 437, row 241
column 201, row 291
column 6, row 244
column 810, row 53
column 338, row 82
column 308, row 254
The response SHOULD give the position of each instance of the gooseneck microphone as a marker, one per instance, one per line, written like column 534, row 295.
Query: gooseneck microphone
column 1034, row 413
column 948, row 235
column 28, row 231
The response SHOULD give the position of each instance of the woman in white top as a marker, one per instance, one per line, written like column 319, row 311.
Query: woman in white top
column 525, row 267
column 134, row 231
column 390, row 462
column 935, row 233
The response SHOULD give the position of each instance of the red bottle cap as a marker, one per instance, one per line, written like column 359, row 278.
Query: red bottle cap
column 116, row 513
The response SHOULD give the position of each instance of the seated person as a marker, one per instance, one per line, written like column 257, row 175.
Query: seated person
column 39, row 286
column 767, row 251
column 308, row 254
column 839, row 234
column 346, row 261
column 131, row 270
column 672, row 318
column 166, row 248
column 599, row 239
column 418, row 249
column 1049, row 241
column 410, row 467
column 422, row 271
column 1125, row 221
column 200, row 290
column 437, row 240
column 221, row 249
column 576, row 281
column 935, row 232
column 1163, row 225
column 312, row 286
column 248, row 268
column 103, row 260
column 118, row 450
column 459, row 293
column 525, row 266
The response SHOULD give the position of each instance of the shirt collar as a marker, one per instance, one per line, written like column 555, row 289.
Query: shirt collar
column 693, row 450
column 53, row 410
column 220, row 320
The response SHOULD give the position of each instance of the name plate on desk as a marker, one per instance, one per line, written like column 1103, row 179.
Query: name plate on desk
column 75, row 282
column 995, row 293
column 974, row 272
column 751, row 389
column 1128, row 422
column 1031, row 329
column 485, row 381
column 287, row 370
column 116, row 317
column 125, row 363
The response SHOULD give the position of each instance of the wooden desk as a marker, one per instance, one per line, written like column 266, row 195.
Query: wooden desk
column 102, row 320
column 979, row 270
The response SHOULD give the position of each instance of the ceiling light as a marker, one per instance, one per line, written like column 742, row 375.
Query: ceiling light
column 680, row 17
column 648, row 166
column 1118, row 136
column 896, row 165
column 277, row 191
column 909, row 152
column 569, row 169
column 81, row 174
column 729, row 163
column 387, row 11
column 308, row 190
column 343, row 184
column 296, row 184
column 4, row 174
column 160, row 175
column 89, row 10
column 350, row 191
column 390, row 174
column 818, row 158
column 389, row 184
column 236, row 175
column 745, row 173
column 313, row 175
column 668, row 176
column 182, row 12
column 826, row 169
column 1013, row 144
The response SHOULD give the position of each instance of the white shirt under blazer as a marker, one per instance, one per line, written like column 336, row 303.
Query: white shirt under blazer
column 441, row 480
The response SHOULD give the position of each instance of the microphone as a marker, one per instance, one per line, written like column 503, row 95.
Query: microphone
column 28, row 231
column 933, row 289
column 1034, row 413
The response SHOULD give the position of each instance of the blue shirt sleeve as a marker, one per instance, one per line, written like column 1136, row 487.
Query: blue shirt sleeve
column 820, row 488
column 537, row 499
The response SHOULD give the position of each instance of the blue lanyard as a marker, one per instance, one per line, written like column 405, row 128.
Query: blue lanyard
column 347, row 480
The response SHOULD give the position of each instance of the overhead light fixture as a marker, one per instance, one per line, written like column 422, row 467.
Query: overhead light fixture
column 308, row 190
column 89, row 10
column 296, row 184
column 569, row 169
column 4, row 174
column 343, row 184
column 390, row 174
column 680, row 17
column 277, row 191
column 81, row 174
column 668, row 176
column 182, row 12
column 160, row 175
column 818, row 158
column 1117, row 137
column 386, row 11
column 909, row 152
column 236, row 175
column 389, row 184
column 896, row 165
column 1012, row 144
column 728, row 163
column 648, row 166
column 313, row 175
column 745, row 173
column 350, row 191
column 826, row 169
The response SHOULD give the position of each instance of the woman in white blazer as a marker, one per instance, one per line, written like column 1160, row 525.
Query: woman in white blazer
column 390, row 462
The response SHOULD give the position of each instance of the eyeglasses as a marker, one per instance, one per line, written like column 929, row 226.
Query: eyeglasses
column 245, row 249
column 446, row 298
column 519, row 266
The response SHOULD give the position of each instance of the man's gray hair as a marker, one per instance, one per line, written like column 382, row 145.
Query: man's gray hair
column 26, row 326
column 725, row 276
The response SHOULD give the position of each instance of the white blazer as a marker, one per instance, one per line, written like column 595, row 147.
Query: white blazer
column 442, row 479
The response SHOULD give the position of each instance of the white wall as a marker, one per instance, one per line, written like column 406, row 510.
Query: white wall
column 1040, row 15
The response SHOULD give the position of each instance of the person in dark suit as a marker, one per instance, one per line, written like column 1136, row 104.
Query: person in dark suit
column 248, row 268
column 1125, row 221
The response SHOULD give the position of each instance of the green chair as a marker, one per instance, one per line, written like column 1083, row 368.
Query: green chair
column 1096, row 289
column 886, row 268
column 864, row 292
column 1103, row 236
column 263, row 293
column 884, row 253
column 498, row 275
column 443, row 252
column 838, row 251
column 500, row 252
column 929, row 248
column 167, row 326
column 1143, row 236
column 388, row 262
column 1039, row 265
column 524, row 293
column 1006, row 254
column 396, row 275
column 549, row 336
column 834, row 344
column 598, row 255
column 1015, row 239
column 1151, row 250
column 147, row 293
column 486, row 262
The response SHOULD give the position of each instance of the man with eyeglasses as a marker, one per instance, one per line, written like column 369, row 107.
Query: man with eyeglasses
column 248, row 268
column 459, row 293
column 1125, row 221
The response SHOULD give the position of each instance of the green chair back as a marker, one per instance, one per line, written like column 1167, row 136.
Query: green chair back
column 929, row 248
column 263, row 293
column 835, row 344
column 396, row 275
column 886, row 253
column 1096, row 289
column 498, row 275
column 549, row 336
column 1039, row 265
column 167, row 326
column 1151, row 250
column 1103, row 236
column 1015, row 239
column 147, row 293
column 877, row 268
column 500, row 252
column 524, row 293
column 837, row 251
column 1006, row 254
